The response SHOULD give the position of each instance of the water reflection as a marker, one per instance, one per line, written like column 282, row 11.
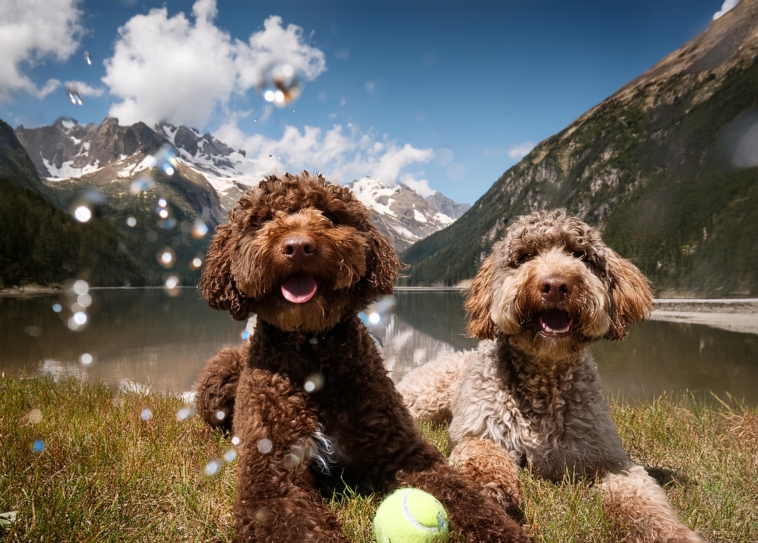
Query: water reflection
column 146, row 337
column 140, row 335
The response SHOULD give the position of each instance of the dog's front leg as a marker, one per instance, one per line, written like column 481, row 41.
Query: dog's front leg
column 632, row 498
column 476, row 515
column 275, row 499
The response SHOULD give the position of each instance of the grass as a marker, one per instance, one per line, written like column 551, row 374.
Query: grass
column 107, row 474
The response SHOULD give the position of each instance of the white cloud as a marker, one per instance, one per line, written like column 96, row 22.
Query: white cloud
column 32, row 31
column 521, row 150
column 728, row 5
column 421, row 186
column 341, row 155
column 171, row 69
column 85, row 89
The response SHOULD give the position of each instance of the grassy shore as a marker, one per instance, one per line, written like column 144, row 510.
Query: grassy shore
column 82, row 463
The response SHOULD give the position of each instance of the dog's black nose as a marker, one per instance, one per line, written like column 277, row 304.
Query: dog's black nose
column 298, row 246
column 555, row 288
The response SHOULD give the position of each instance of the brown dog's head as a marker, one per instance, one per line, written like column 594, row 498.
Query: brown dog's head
column 552, row 286
column 300, row 253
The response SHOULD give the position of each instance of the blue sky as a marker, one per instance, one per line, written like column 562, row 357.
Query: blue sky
column 442, row 95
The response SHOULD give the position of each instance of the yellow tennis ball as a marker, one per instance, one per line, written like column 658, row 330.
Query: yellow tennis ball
column 410, row 515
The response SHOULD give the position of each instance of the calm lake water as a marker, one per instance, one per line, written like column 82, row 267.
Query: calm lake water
column 147, row 337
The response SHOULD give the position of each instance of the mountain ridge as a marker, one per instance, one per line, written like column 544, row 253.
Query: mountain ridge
column 112, row 153
column 648, row 166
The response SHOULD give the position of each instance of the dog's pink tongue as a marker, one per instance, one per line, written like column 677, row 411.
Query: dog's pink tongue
column 555, row 322
column 299, row 288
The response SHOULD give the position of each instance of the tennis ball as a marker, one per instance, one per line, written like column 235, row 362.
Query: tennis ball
column 410, row 515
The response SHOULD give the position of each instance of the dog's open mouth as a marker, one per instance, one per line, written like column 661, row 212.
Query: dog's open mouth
column 555, row 323
column 299, row 288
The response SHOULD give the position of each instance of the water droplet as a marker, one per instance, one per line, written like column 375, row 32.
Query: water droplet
column 196, row 263
column 82, row 214
column 88, row 58
column 162, row 202
column 84, row 300
column 214, row 467
column 57, row 308
column 264, row 445
column 278, row 84
column 374, row 318
column 131, row 222
column 146, row 413
column 314, row 382
column 166, row 258
column 140, row 184
column 199, row 229
column 230, row 455
column 220, row 415
column 77, row 321
column 185, row 412
column 172, row 285
column 38, row 446
column 86, row 359
column 236, row 441
column 80, row 287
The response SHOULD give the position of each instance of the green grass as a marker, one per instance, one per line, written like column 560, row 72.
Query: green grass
column 105, row 474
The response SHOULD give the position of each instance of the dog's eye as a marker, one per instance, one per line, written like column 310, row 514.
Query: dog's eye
column 524, row 257
column 579, row 255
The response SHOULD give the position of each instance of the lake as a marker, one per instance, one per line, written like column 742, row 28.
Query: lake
column 148, row 337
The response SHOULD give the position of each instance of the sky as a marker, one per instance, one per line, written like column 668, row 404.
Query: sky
column 440, row 95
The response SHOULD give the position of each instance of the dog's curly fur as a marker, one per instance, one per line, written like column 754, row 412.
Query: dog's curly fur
column 549, row 289
column 308, row 394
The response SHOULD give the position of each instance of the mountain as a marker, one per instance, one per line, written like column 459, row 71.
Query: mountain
column 110, row 157
column 17, row 167
column 402, row 214
column 665, row 167
column 41, row 244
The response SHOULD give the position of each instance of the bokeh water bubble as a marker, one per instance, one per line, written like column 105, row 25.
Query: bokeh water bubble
column 146, row 414
column 230, row 455
column 88, row 58
column 38, row 445
column 214, row 467
column 314, row 382
column 86, row 359
column 264, row 445
column 278, row 84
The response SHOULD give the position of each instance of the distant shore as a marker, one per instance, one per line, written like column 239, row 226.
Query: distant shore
column 736, row 315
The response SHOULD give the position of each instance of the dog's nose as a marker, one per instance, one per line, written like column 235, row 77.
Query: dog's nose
column 298, row 247
column 555, row 288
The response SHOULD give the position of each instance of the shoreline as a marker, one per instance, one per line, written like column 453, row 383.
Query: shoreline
column 732, row 314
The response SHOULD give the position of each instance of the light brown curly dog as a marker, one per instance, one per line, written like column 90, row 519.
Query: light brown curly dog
column 549, row 289
column 308, row 395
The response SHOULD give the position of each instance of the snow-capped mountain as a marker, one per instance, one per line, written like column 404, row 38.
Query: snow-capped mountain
column 403, row 215
column 68, row 150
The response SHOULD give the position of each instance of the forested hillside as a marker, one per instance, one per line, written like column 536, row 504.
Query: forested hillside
column 655, row 167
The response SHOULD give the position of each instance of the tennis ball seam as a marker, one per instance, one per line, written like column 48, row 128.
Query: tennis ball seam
column 411, row 518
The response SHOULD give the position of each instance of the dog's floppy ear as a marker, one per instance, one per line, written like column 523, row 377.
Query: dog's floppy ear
column 631, row 296
column 479, row 301
column 216, row 282
column 382, row 265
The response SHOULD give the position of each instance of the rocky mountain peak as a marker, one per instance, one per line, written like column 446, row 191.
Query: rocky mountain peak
column 399, row 212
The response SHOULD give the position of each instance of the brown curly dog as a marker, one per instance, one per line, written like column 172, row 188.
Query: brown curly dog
column 530, row 395
column 308, row 394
